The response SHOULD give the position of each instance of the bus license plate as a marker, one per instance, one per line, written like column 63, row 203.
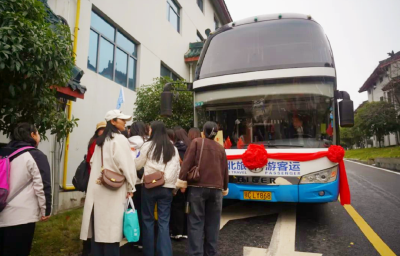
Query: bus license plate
column 257, row 195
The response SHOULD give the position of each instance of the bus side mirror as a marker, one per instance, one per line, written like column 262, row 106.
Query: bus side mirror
column 346, row 113
column 166, row 103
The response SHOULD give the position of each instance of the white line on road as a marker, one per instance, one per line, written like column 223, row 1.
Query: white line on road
column 398, row 173
column 284, row 237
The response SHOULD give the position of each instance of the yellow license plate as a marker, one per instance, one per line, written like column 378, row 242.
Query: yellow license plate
column 257, row 195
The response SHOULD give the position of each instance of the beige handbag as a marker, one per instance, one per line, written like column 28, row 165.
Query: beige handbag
column 154, row 180
column 110, row 179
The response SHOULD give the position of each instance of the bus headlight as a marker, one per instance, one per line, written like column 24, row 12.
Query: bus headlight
column 324, row 176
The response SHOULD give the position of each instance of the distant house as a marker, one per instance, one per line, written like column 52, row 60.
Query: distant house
column 384, row 85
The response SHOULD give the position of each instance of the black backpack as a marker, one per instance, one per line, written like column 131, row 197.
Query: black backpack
column 81, row 178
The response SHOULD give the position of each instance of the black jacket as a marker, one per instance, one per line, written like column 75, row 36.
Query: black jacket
column 181, row 148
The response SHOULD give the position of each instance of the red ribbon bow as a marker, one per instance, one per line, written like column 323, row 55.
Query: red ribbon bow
column 256, row 156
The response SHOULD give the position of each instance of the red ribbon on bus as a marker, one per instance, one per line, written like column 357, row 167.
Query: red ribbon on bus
column 256, row 156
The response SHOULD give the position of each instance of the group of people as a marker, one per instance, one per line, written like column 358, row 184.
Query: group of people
column 186, row 208
column 145, row 151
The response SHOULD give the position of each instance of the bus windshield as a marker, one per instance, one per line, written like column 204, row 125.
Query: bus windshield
column 276, row 44
column 276, row 121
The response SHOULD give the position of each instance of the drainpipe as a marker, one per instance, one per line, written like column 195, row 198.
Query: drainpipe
column 190, row 72
column 69, row 103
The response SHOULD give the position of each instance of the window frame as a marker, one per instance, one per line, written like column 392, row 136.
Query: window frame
column 170, row 71
column 216, row 22
column 199, row 36
column 202, row 5
column 114, row 42
column 178, row 6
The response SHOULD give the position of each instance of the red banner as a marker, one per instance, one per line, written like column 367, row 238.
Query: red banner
column 256, row 156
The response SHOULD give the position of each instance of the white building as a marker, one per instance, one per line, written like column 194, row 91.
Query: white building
column 124, row 43
column 384, row 85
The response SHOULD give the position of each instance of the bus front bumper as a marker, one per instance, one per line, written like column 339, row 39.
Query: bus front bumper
column 304, row 193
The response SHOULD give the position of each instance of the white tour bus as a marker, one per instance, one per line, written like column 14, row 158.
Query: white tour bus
column 271, row 80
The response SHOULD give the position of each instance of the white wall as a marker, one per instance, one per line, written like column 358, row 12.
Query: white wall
column 146, row 22
column 389, row 140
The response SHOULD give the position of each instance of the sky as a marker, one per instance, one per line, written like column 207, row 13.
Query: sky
column 361, row 32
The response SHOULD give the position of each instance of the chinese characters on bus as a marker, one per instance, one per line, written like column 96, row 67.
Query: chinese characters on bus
column 274, row 168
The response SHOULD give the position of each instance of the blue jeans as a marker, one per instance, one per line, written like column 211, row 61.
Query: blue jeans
column 163, row 197
column 204, row 221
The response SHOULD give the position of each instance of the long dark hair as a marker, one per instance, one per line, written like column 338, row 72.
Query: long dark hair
column 194, row 133
column 181, row 135
column 210, row 130
column 160, row 143
column 94, row 137
column 171, row 135
column 138, row 128
column 23, row 132
column 108, row 133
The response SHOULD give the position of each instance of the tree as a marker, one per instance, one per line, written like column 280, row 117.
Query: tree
column 147, row 105
column 346, row 137
column 350, row 137
column 35, row 57
column 377, row 118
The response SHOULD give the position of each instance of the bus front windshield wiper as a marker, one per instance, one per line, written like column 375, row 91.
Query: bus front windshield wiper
column 283, row 145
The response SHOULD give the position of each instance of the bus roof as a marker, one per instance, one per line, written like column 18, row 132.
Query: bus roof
column 269, row 17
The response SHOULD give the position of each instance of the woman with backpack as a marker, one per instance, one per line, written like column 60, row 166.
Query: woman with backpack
column 112, row 181
column 29, row 198
column 206, row 191
column 178, row 224
column 137, row 137
column 161, row 168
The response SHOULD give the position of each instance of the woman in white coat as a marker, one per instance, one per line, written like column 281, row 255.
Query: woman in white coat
column 104, row 208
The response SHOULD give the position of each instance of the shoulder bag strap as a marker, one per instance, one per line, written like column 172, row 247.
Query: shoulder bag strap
column 26, row 184
column 102, row 165
column 201, row 152
column 19, row 151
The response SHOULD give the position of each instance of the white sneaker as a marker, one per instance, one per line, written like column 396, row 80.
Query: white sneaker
column 185, row 237
column 177, row 237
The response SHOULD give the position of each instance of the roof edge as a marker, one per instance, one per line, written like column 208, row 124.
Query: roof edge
column 222, row 11
column 378, row 71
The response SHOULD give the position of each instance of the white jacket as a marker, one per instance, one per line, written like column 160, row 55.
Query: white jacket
column 136, row 142
column 29, row 171
column 108, row 205
column 171, row 169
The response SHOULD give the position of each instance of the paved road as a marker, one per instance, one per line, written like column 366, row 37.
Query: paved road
column 255, row 229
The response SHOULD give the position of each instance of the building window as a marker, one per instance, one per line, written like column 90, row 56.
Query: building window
column 111, row 54
column 199, row 38
column 168, row 73
column 173, row 14
column 200, row 4
column 389, row 97
column 216, row 23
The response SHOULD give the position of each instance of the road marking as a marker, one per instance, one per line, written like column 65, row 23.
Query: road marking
column 252, row 251
column 398, row 173
column 369, row 233
column 284, row 236
column 243, row 211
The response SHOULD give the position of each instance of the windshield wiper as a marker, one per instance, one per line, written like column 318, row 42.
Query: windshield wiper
column 285, row 145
